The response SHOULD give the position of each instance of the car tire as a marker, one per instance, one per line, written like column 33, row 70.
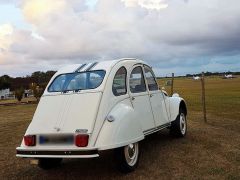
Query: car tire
column 127, row 157
column 49, row 163
column 178, row 127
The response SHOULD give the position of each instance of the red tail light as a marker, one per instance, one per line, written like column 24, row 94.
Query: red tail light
column 30, row 140
column 81, row 140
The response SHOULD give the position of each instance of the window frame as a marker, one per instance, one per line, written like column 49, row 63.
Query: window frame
column 76, row 73
column 143, row 76
column 126, row 87
column 154, row 77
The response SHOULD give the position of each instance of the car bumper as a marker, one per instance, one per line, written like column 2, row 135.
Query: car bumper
column 27, row 153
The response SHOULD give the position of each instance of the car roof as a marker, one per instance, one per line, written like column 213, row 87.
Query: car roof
column 102, row 65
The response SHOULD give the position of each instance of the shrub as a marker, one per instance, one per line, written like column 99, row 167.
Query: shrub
column 37, row 91
column 19, row 94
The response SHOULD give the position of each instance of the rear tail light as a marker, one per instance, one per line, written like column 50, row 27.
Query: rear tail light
column 30, row 140
column 81, row 140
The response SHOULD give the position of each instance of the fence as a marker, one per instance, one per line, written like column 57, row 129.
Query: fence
column 212, row 99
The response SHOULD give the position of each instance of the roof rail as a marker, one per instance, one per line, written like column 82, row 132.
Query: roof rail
column 128, row 59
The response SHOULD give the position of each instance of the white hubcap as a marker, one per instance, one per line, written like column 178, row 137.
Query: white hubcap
column 131, row 153
column 182, row 123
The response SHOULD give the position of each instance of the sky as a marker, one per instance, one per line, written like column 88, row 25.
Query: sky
column 179, row 36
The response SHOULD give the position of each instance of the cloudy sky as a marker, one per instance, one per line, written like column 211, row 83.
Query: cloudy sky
column 181, row 36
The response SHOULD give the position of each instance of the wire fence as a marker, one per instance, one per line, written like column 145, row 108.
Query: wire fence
column 212, row 99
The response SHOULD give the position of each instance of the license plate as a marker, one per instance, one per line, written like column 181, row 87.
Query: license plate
column 56, row 139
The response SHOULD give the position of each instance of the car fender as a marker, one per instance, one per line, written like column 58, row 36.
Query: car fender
column 174, row 105
column 120, row 127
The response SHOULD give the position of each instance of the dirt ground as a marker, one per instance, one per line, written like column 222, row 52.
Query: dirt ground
column 209, row 151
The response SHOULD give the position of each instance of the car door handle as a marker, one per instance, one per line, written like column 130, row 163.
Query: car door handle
column 151, row 95
column 133, row 98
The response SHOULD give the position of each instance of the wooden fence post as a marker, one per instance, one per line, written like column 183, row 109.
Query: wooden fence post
column 172, row 84
column 203, row 98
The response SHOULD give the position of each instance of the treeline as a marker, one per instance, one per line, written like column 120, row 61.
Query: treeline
column 213, row 74
column 39, row 78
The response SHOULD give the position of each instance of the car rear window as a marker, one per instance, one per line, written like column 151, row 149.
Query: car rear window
column 77, row 81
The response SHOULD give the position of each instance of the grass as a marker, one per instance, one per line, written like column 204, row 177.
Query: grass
column 222, row 98
column 11, row 101
column 209, row 151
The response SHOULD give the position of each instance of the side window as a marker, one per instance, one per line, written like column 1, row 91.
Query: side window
column 152, row 84
column 119, row 82
column 136, row 81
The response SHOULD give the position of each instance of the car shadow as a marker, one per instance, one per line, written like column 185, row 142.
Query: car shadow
column 103, row 167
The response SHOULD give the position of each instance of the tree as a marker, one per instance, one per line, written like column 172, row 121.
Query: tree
column 18, row 82
column 5, row 82
column 41, row 77
column 19, row 94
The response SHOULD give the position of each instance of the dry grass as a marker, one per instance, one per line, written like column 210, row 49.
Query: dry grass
column 209, row 151
column 11, row 101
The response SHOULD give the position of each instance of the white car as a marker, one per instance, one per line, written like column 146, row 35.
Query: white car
column 89, row 108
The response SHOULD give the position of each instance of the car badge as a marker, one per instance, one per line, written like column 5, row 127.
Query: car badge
column 81, row 131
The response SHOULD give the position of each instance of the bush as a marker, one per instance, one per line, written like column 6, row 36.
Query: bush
column 19, row 94
column 37, row 91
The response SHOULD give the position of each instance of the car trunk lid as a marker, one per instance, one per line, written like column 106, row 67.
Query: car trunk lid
column 66, row 113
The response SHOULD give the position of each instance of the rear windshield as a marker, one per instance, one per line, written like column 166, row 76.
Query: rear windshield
column 77, row 81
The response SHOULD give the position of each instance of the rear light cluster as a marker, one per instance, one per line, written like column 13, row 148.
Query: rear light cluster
column 30, row 140
column 81, row 140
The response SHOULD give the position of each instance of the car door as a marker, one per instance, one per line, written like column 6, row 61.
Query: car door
column 156, row 98
column 140, row 98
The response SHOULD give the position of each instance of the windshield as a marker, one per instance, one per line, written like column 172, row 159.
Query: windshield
column 77, row 81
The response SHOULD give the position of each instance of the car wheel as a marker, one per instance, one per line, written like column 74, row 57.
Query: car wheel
column 127, row 157
column 179, row 126
column 49, row 163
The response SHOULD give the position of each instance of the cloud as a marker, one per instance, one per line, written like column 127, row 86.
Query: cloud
column 148, row 4
column 5, row 32
column 36, row 10
column 169, row 34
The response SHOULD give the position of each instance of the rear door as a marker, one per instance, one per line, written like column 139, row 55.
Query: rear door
column 140, row 98
column 156, row 98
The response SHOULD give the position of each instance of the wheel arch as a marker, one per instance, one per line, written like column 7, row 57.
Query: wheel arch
column 183, row 106
column 175, row 104
column 123, row 130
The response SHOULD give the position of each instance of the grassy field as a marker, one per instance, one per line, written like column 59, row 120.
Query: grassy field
column 209, row 151
column 15, row 101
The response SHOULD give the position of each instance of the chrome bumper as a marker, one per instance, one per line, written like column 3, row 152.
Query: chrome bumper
column 57, row 153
